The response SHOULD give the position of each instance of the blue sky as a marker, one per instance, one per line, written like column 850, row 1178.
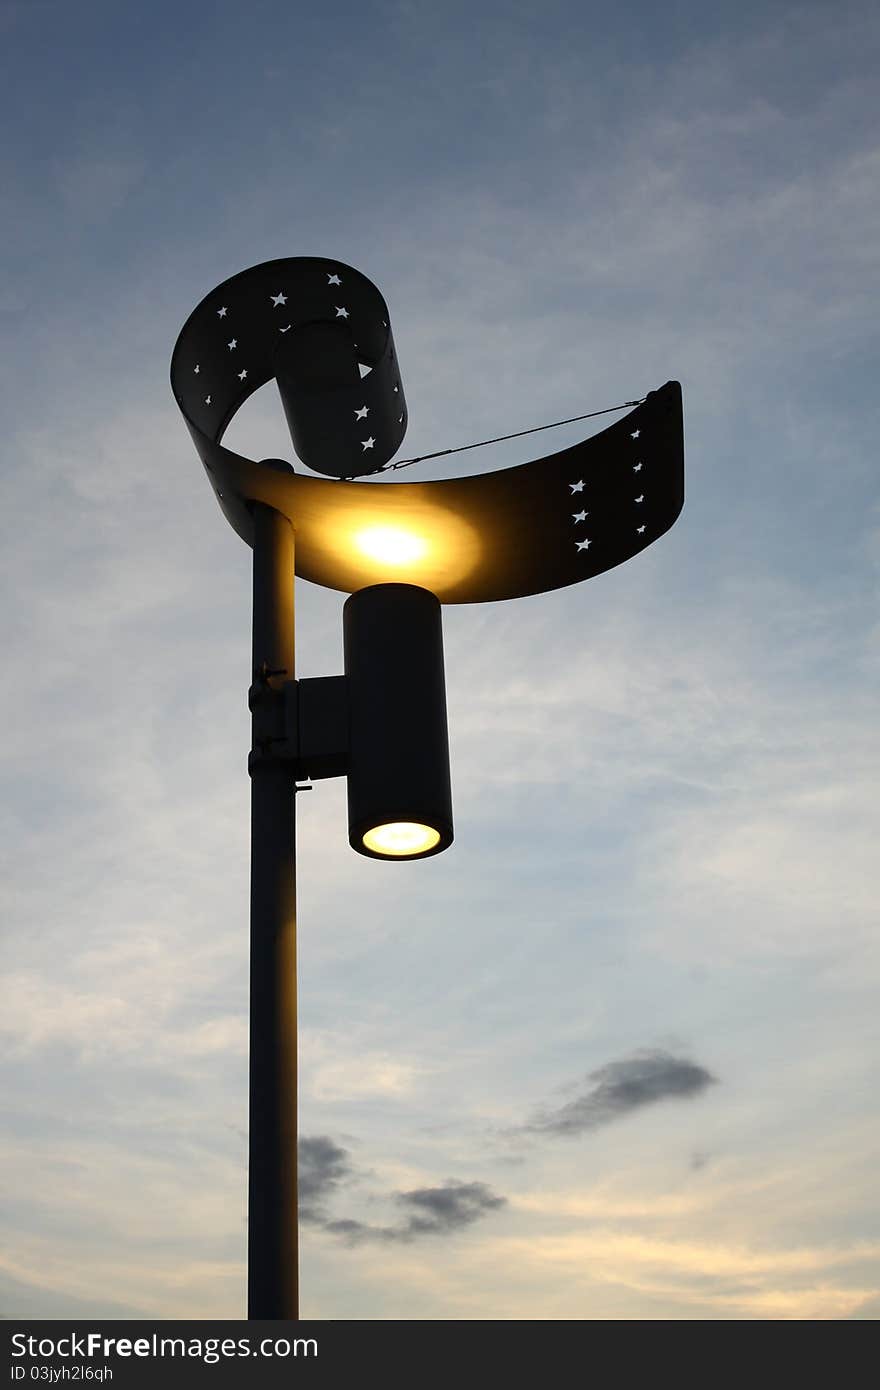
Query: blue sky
column 612, row 1055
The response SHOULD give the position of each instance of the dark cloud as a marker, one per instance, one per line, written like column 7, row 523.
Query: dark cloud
column 442, row 1210
column 430, row 1211
column 323, row 1166
column 623, row 1086
column 352, row 1231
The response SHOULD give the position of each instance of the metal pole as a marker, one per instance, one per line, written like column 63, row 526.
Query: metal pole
column 273, row 1275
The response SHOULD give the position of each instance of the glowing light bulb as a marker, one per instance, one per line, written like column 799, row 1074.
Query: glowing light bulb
column 390, row 546
column 401, row 838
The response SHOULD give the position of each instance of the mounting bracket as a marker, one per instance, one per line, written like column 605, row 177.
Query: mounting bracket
column 303, row 725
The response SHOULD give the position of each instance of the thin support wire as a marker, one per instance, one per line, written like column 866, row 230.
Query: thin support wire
column 404, row 463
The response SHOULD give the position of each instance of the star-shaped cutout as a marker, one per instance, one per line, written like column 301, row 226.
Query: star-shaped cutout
column 242, row 375
column 196, row 369
column 577, row 487
column 641, row 498
column 637, row 468
column 207, row 400
column 579, row 516
column 639, row 530
column 278, row 299
column 233, row 343
column 341, row 313
column 368, row 443
column 635, row 434
column 362, row 413
column 583, row 545
column 333, row 280
column 221, row 313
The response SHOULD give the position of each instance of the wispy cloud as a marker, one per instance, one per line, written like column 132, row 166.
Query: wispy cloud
column 729, row 1279
column 332, row 1071
column 623, row 1086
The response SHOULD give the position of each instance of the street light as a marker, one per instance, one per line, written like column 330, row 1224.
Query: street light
column 322, row 331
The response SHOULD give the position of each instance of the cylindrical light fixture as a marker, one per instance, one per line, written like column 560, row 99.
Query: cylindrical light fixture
column 399, row 793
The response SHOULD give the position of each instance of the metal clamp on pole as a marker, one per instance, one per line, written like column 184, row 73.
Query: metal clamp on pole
column 267, row 705
column 303, row 726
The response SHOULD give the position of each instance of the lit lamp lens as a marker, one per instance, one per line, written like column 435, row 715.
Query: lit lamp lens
column 390, row 546
column 401, row 838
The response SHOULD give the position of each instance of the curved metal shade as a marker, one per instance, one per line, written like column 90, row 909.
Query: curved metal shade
column 322, row 331
column 523, row 530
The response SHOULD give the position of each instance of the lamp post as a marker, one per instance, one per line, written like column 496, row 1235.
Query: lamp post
column 273, row 1261
column 322, row 331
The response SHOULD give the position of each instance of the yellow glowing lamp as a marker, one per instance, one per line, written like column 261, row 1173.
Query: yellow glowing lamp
column 402, row 839
column 390, row 545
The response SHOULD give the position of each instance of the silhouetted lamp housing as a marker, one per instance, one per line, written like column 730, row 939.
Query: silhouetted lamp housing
column 399, row 796
column 322, row 330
